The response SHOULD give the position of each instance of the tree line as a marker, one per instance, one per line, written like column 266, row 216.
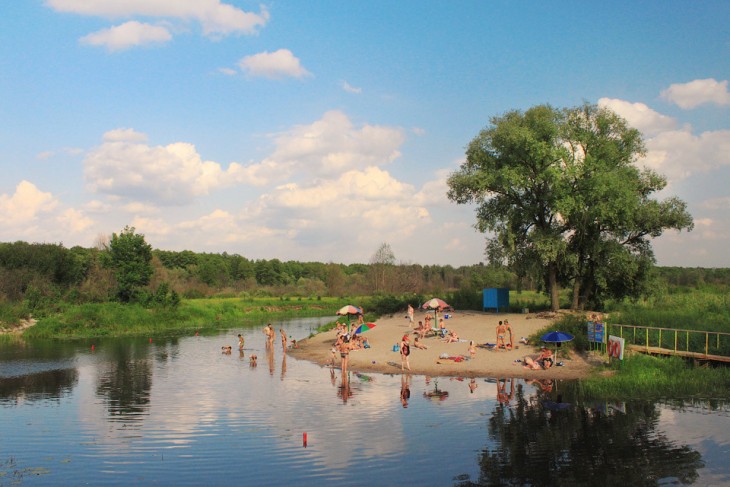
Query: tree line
column 127, row 269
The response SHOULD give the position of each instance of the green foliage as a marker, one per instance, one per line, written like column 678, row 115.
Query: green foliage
column 703, row 308
column 561, row 194
column 130, row 257
column 645, row 377
column 135, row 319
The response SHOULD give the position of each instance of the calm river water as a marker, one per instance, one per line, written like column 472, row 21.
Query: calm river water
column 176, row 411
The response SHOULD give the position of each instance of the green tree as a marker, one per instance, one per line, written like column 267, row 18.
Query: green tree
column 609, row 209
column 131, row 259
column 561, row 192
column 513, row 172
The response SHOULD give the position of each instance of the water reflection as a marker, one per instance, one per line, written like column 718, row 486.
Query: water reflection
column 40, row 386
column 132, row 404
column 125, row 379
column 541, row 442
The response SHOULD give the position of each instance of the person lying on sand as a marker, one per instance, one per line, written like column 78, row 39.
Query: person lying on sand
column 417, row 344
column 543, row 361
column 452, row 337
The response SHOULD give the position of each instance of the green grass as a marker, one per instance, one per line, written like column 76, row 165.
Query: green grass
column 116, row 319
column 705, row 308
column 642, row 376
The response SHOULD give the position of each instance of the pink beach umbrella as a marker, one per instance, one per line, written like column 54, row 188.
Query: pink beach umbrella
column 436, row 305
column 349, row 310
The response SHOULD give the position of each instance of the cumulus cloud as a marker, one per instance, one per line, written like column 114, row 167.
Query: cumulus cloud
column 216, row 18
column 127, row 35
column 679, row 154
column 640, row 116
column 25, row 205
column 273, row 65
column 697, row 92
column 34, row 215
column 74, row 220
column 365, row 203
column 124, row 165
column 333, row 144
column 673, row 151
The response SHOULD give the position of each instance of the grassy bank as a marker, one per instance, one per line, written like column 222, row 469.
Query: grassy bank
column 115, row 319
column 642, row 376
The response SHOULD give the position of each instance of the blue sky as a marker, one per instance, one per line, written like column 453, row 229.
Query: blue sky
column 316, row 131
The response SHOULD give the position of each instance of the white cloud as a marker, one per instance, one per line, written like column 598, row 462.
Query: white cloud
column 675, row 152
column 124, row 135
column 127, row 35
column 351, row 89
column 173, row 174
column 332, row 145
column 216, row 18
column 25, row 205
column 275, row 65
column 679, row 154
column 640, row 116
column 697, row 92
column 74, row 220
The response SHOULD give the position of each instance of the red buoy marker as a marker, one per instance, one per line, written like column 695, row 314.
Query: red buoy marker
column 304, row 439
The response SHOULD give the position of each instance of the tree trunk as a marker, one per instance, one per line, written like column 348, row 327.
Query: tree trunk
column 553, row 284
column 576, row 294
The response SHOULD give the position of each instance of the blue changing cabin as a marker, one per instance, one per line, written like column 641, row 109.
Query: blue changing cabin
column 496, row 298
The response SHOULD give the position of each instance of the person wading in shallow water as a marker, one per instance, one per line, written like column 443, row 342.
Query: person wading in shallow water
column 344, row 348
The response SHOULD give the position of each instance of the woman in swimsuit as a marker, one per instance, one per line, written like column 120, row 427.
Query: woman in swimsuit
column 405, row 351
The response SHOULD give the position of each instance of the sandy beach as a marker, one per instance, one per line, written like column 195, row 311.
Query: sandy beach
column 469, row 325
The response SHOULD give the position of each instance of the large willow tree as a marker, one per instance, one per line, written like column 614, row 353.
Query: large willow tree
column 559, row 191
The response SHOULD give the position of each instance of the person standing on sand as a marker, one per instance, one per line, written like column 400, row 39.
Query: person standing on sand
column 405, row 351
column 508, row 328
column 410, row 313
column 501, row 331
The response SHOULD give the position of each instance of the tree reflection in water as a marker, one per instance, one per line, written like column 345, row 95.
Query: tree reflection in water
column 126, row 380
column 539, row 444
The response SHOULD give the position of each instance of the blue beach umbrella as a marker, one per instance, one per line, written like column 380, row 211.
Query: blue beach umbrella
column 557, row 337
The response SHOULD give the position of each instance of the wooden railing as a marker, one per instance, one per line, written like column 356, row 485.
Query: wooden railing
column 698, row 344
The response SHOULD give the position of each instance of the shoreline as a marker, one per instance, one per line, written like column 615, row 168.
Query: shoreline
column 469, row 325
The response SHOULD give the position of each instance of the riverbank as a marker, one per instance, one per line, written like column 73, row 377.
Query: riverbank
column 469, row 325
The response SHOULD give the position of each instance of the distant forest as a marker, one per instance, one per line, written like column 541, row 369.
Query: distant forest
column 51, row 271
